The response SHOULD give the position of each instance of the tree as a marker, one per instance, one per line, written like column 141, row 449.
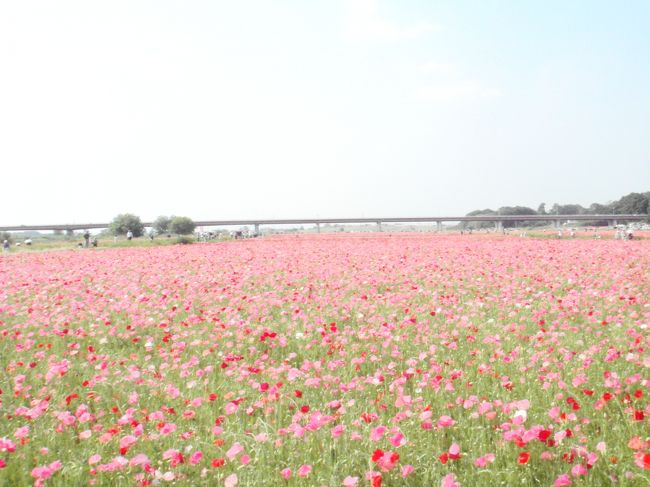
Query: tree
column 480, row 224
column 121, row 224
column 570, row 209
column 181, row 225
column 541, row 209
column 515, row 210
column 161, row 224
column 598, row 209
column 632, row 204
column 6, row 236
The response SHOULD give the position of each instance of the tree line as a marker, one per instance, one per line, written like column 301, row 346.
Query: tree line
column 163, row 225
column 631, row 204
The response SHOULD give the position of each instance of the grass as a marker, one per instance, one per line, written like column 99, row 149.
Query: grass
column 64, row 243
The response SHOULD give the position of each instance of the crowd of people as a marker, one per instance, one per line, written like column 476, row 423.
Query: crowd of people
column 624, row 234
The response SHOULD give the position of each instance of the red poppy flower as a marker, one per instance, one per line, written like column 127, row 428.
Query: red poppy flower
column 644, row 461
column 377, row 454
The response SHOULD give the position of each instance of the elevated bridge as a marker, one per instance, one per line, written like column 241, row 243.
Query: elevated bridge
column 438, row 220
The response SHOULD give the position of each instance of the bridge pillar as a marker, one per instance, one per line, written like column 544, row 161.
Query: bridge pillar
column 317, row 227
column 69, row 232
column 257, row 229
column 614, row 223
column 379, row 226
column 438, row 226
column 499, row 226
column 557, row 224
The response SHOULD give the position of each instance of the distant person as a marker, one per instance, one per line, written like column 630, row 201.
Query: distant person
column 87, row 239
column 5, row 246
column 129, row 235
column 95, row 242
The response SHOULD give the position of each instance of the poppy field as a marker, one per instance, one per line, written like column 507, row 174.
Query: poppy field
column 405, row 359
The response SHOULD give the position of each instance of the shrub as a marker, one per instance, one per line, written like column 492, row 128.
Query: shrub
column 181, row 225
column 184, row 240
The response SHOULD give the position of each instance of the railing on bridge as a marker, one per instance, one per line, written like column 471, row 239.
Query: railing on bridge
column 498, row 219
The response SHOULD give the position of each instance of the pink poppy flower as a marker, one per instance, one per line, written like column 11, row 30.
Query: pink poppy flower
column 304, row 470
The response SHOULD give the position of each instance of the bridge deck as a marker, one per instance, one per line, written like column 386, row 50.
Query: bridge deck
column 314, row 221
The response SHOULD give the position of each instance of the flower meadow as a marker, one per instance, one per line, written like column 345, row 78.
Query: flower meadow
column 366, row 360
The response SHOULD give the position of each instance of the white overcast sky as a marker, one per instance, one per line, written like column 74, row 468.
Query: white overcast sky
column 291, row 108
